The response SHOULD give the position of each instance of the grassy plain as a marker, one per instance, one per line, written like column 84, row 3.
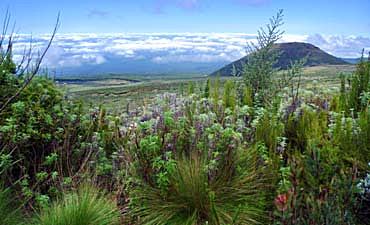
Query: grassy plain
column 125, row 92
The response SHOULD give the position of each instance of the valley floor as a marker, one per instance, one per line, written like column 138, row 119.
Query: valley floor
column 120, row 92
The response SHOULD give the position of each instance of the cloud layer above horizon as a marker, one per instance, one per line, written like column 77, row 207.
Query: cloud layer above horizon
column 75, row 50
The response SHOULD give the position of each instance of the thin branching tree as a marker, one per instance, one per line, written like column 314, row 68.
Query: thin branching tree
column 259, row 68
column 27, row 68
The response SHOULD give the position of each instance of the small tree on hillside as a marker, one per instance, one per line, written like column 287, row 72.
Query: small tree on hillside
column 359, row 92
column 258, row 70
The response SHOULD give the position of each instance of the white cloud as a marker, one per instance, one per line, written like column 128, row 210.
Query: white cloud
column 71, row 50
column 294, row 38
column 342, row 46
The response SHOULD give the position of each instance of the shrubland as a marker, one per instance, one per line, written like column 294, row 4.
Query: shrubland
column 234, row 152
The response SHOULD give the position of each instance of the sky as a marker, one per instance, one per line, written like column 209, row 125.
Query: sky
column 202, row 34
column 330, row 17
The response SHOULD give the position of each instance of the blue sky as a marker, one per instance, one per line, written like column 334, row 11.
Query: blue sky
column 329, row 17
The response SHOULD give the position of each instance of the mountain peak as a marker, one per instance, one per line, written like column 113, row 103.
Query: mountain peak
column 289, row 52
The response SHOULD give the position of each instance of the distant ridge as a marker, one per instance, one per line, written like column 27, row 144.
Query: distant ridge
column 289, row 52
column 352, row 60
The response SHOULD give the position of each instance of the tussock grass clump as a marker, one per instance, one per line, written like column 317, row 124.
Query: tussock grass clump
column 195, row 196
column 86, row 206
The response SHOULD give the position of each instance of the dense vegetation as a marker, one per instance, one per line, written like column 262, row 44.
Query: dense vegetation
column 239, row 152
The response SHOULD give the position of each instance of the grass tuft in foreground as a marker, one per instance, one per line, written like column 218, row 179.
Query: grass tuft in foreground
column 86, row 206
column 9, row 215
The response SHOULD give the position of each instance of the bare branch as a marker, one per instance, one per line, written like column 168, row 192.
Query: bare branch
column 21, row 67
column 34, row 70
column 267, row 36
column 5, row 28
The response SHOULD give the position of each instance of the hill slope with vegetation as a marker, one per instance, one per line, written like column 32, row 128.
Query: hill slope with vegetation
column 288, row 53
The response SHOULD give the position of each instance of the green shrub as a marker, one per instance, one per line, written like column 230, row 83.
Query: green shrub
column 207, row 89
column 229, row 95
column 215, row 92
column 86, row 206
column 322, row 190
column 356, row 98
column 45, row 139
column 269, row 130
column 326, row 153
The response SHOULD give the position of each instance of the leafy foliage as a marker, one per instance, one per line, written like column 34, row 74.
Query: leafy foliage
column 45, row 139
